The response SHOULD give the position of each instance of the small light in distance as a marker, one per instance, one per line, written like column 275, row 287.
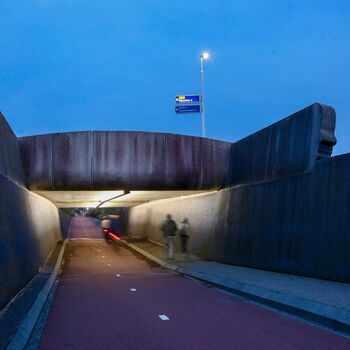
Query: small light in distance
column 205, row 55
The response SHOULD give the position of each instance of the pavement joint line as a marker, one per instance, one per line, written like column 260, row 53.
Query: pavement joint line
column 325, row 315
column 25, row 329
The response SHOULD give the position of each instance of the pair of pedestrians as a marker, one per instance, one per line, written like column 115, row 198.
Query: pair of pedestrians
column 169, row 229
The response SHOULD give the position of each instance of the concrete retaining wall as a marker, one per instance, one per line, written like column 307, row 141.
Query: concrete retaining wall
column 298, row 225
column 287, row 208
column 289, row 147
column 10, row 158
column 29, row 224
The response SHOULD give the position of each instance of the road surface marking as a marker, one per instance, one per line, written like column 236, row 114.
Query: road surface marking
column 117, row 275
column 133, row 289
column 164, row 317
column 109, row 264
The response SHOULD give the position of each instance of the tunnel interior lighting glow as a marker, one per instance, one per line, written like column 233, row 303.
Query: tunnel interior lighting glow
column 91, row 199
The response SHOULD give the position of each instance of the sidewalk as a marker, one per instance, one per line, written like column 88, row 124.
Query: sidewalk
column 320, row 301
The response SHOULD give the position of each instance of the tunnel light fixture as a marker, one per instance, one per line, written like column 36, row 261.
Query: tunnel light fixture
column 115, row 197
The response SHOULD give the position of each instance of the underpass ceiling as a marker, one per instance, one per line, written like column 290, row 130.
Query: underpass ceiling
column 79, row 199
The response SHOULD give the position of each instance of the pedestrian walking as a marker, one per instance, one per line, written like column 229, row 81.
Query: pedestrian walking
column 169, row 229
column 184, row 232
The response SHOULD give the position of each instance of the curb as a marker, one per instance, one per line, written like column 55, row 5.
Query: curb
column 151, row 257
column 24, row 331
column 325, row 315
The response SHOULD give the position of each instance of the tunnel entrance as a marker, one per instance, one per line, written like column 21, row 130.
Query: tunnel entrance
column 92, row 199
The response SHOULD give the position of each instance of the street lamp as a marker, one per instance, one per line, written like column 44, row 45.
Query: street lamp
column 205, row 56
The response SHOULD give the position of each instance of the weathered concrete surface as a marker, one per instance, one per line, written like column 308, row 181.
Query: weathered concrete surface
column 29, row 224
column 10, row 158
column 29, row 229
column 288, row 147
column 207, row 215
column 298, row 225
column 113, row 160
column 287, row 209
column 106, row 160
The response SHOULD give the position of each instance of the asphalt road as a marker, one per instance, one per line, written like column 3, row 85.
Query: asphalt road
column 110, row 298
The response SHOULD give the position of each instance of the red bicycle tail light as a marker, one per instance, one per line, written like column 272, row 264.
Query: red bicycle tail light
column 114, row 236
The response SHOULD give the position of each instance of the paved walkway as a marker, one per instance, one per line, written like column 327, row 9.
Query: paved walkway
column 324, row 302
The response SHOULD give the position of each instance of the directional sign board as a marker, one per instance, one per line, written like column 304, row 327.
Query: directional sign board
column 188, row 109
column 188, row 99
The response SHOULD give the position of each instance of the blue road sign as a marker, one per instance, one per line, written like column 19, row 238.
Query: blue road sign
column 188, row 109
column 188, row 99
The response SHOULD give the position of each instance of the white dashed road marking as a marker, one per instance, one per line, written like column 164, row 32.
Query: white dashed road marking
column 133, row 289
column 164, row 317
column 117, row 275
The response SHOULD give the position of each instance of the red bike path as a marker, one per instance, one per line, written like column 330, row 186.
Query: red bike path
column 110, row 298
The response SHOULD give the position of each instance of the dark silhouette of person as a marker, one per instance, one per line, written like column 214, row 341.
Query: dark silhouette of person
column 184, row 232
column 169, row 229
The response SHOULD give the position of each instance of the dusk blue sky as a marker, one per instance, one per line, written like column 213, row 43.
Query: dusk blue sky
column 69, row 65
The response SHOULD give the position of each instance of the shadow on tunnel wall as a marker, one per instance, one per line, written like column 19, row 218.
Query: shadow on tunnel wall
column 286, row 207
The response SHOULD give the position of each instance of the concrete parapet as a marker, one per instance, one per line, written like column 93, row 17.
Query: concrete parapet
column 105, row 160
column 10, row 158
column 288, row 147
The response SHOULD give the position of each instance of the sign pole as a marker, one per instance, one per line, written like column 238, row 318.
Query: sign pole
column 203, row 109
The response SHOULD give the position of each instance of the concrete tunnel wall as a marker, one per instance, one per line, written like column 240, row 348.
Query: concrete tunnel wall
column 298, row 225
column 114, row 160
column 30, row 225
column 288, row 209
column 284, row 210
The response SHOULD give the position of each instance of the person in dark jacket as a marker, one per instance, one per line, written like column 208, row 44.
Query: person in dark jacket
column 184, row 232
column 169, row 229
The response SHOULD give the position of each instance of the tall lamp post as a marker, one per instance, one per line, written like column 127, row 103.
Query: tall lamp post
column 205, row 56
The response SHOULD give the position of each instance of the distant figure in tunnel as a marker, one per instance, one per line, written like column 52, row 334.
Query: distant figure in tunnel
column 184, row 232
column 169, row 229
